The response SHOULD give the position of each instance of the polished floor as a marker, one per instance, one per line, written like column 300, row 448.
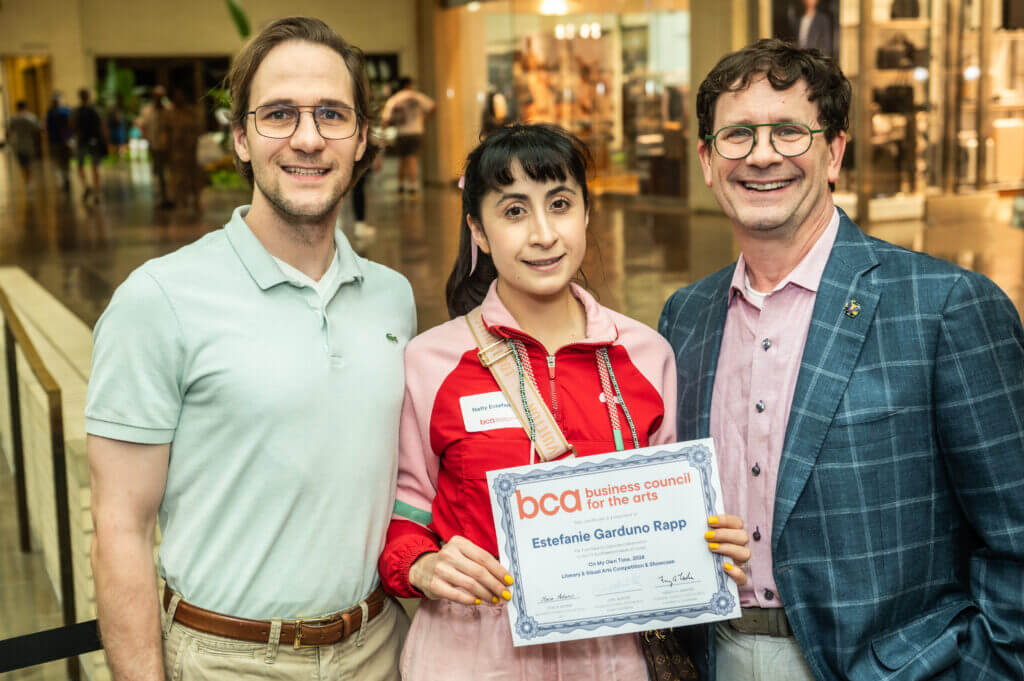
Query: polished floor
column 27, row 601
column 640, row 252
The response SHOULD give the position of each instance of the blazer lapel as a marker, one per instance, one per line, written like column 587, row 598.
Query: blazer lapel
column 843, row 311
column 712, row 332
column 696, row 341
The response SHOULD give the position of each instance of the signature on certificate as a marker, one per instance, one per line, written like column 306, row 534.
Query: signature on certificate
column 678, row 578
column 557, row 598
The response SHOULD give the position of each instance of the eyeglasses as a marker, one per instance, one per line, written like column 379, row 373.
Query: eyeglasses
column 280, row 121
column 734, row 142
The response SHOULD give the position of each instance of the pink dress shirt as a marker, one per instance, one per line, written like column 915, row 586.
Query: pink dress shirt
column 757, row 372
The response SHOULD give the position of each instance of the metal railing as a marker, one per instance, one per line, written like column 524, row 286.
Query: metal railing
column 37, row 648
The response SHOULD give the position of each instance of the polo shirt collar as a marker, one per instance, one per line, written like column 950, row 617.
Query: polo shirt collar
column 260, row 264
column 807, row 274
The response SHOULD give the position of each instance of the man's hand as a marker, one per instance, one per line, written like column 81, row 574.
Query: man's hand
column 461, row 572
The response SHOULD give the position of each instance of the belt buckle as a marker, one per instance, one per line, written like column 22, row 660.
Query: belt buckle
column 319, row 621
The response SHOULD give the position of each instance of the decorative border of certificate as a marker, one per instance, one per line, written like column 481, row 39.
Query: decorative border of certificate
column 504, row 485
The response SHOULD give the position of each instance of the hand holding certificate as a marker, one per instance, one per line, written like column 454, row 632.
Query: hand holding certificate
column 611, row 544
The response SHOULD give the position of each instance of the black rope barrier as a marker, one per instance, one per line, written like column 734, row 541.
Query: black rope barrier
column 47, row 646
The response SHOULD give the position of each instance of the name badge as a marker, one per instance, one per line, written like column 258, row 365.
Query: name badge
column 487, row 411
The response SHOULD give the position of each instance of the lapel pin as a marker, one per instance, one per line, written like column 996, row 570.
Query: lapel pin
column 852, row 308
column 392, row 337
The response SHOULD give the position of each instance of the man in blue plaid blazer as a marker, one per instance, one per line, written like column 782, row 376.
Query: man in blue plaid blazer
column 895, row 535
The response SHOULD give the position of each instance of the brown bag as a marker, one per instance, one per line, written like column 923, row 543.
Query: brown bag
column 667, row 660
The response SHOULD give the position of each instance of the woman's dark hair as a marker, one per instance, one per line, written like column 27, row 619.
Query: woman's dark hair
column 783, row 64
column 546, row 153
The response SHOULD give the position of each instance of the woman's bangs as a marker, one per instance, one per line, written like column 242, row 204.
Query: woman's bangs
column 541, row 163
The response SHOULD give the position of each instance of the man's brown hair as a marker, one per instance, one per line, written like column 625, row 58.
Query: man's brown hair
column 783, row 65
column 247, row 62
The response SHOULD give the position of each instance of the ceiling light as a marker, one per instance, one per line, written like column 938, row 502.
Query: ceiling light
column 554, row 7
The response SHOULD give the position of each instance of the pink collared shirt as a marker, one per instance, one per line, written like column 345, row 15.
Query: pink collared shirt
column 757, row 372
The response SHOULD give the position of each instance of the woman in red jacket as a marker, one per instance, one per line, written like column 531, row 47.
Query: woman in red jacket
column 525, row 209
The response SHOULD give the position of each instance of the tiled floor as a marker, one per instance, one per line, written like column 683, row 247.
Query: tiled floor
column 640, row 252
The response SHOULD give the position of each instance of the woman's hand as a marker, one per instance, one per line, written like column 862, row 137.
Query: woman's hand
column 728, row 538
column 461, row 572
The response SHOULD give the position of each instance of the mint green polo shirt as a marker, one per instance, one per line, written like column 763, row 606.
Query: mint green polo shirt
column 282, row 414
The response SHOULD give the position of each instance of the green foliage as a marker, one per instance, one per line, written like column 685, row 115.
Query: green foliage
column 239, row 16
column 223, row 178
column 118, row 86
column 220, row 97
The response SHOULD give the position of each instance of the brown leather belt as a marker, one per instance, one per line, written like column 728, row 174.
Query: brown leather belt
column 300, row 633
column 770, row 621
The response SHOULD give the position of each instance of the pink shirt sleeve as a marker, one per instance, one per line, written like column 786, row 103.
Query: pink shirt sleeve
column 666, row 432
column 653, row 357
column 429, row 358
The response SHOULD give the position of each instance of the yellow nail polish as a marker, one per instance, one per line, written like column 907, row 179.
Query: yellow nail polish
column 713, row 545
column 509, row 580
column 710, row 534
column 477, row 602
column 494, row 599
column 728, row 566
column 713, row 520
column 507, row 595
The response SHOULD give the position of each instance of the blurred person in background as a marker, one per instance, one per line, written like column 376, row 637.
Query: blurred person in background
column 183, row 131
column 407, row 110
column 152, row 123
column 117, row 125
column 814, row 28
column 58, row 133
column 91, row 141
column 23, row 134
column 361, row 231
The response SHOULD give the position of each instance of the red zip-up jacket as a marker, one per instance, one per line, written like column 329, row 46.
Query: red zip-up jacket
column 456, row 425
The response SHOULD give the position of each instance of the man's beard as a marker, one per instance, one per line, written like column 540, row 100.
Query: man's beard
column 307, row 223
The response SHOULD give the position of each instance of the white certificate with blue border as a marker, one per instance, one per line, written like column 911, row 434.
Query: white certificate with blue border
column 611, row 544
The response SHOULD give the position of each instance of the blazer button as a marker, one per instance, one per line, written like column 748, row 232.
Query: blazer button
column 757, row 534
column 766, row 344
column 756, row 470
column 769, row 595
column 760, row 406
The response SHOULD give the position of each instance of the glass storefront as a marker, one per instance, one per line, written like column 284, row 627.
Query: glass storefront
column 615, row 73
column 940, row 86
column 987, row 44
column 946, row 111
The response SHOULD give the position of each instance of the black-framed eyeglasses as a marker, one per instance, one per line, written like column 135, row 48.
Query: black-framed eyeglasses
column 734, row 142
column 280, row 121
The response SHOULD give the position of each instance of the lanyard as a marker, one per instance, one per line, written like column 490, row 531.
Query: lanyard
column 609, row 388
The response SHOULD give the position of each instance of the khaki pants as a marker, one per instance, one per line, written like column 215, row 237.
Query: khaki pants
column 370, row 654
column 758, row 657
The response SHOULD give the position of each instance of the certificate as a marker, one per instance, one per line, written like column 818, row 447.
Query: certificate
column 611, row 544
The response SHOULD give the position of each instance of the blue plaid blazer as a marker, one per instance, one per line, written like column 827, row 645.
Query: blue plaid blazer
column 898, row 539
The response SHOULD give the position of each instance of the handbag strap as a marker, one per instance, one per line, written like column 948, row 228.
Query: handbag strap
column 497, row 355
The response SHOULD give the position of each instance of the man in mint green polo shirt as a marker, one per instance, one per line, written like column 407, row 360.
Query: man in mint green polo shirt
column 245, row 393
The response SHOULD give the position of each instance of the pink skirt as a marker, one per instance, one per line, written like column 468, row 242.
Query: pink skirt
column 453, row 642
